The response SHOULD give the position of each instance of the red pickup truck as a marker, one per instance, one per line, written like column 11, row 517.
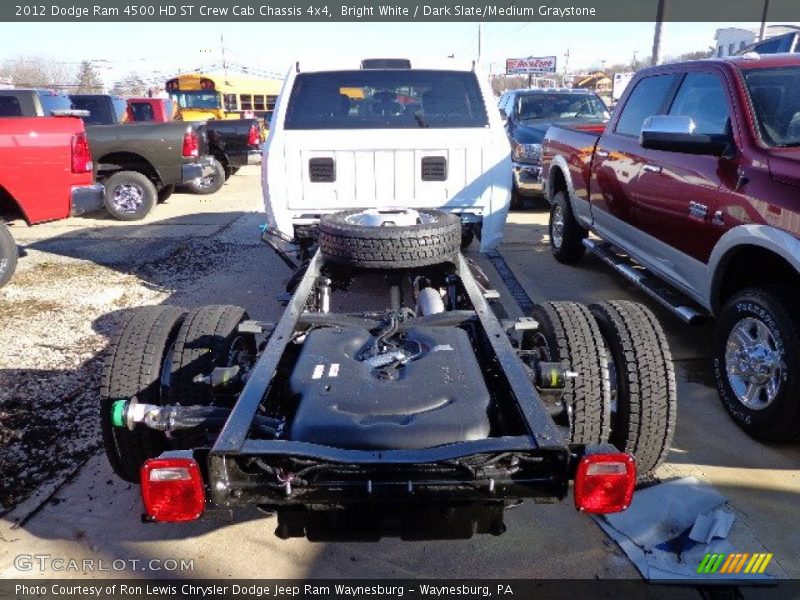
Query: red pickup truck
column 697, row 179
column 45, row 174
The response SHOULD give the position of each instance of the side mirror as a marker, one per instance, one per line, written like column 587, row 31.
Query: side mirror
column 672, row 133
column 503, row 115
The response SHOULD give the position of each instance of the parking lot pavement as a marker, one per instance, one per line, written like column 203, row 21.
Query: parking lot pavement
column 95, row 515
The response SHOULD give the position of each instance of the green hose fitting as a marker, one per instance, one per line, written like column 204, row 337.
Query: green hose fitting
column 118, row 410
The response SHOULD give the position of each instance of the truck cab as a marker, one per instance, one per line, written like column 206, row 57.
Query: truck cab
column 410, row 134
column 696, row 177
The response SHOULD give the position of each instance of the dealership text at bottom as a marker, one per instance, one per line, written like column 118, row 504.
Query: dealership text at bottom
column 152, row 589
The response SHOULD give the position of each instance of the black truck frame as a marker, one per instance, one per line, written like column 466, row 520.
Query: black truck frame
column 324, row 487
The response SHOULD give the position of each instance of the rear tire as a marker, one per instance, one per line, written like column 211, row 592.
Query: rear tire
column 646, row 403
column 8, row 255
column 211, row 184
column 569, row 334
column 208, row 338
column 390, row 247
column 133, row 367
column 566, row 234
column 129, row 195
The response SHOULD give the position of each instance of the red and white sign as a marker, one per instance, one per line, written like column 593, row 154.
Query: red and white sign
column 532, row 64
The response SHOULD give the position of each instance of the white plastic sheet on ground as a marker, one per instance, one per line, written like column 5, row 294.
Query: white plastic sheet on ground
column 670, row 527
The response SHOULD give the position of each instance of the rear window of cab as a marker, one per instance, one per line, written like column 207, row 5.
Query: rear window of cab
column 386, row 99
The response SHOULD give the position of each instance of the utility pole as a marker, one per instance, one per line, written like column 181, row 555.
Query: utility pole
column 656, row 59
column 479, row 42
column 222, row 50
column 634, row 60
column 763, row 21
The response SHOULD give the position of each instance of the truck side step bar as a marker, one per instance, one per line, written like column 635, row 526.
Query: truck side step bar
column 668, row 297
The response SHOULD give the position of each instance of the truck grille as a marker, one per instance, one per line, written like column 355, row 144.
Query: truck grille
column 434, row 168
column 321, row 170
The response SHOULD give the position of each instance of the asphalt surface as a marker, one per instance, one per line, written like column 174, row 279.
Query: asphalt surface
column 97, row 516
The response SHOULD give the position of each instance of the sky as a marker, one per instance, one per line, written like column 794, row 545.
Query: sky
column 160, row 50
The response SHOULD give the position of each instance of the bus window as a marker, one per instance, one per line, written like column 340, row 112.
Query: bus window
column 246, row 101
column 258, row 102
column 271, row 100
column 230, row 102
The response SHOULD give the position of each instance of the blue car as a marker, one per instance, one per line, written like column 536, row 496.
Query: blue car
column 528, row 114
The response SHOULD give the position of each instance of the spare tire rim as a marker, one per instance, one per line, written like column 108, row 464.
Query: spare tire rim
column 557, row 226
column 753, row 363
column 128, row 197
column 390, row 217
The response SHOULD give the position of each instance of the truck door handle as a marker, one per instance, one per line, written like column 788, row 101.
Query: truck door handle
column 602, row 153
column 652, row 168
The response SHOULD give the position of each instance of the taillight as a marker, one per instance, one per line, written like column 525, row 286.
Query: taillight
column 172, row 489
column 81, row 157
column 253, row 136
column 604, row 483
column 191, row 145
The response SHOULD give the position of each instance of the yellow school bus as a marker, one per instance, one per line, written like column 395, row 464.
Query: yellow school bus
column 200, row 96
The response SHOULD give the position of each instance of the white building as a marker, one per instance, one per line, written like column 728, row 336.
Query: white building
column 731, row 40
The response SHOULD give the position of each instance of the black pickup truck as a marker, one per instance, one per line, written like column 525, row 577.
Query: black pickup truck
column 106, row 110
column 233, row 143
column 139, row 164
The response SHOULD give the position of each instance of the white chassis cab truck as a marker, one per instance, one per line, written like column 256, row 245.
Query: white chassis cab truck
column 387, row 134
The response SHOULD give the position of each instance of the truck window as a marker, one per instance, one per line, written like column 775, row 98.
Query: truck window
column 51, row 102
column 385, row 99
column 10, row 107
column 646, row 99
column 120, row 109
column 775, row 96
column 97, row 107
column 702, row 97
column 142, row 111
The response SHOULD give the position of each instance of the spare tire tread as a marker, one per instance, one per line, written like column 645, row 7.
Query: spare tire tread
column 389, row 247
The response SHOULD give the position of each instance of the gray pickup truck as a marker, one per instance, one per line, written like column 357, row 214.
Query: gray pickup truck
column 139, row 164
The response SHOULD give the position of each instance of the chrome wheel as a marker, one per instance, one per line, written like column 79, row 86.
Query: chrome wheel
column 557, row 226
column 753, row 363
column 128, row 197
column 205, row 182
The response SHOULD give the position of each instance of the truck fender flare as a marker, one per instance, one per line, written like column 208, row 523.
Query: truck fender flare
column 580, row 208
column 127, row 161
column 767, row 237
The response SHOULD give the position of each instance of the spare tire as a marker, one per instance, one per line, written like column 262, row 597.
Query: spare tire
column 8, row 255
column 390, row 238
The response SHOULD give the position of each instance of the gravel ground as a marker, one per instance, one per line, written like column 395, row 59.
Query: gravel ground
column 58, row 314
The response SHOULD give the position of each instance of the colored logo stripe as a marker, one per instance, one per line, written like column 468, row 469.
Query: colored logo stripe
column 734, row 563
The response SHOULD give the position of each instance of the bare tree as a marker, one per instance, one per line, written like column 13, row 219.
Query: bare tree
column 37, row 71
column 130, row 85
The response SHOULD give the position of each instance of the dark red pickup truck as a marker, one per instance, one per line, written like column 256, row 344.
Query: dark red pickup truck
column 45, row 174
column 697, row 178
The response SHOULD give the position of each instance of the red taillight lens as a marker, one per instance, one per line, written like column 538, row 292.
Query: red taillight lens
column 172, row 489
column 253, row 137
column 81, row 157
column 191, row 145
column 604, row 483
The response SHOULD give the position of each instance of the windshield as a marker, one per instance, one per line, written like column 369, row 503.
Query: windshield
column 386, row 99
column 197, row 99
column 775, row 96
column 551, row 107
